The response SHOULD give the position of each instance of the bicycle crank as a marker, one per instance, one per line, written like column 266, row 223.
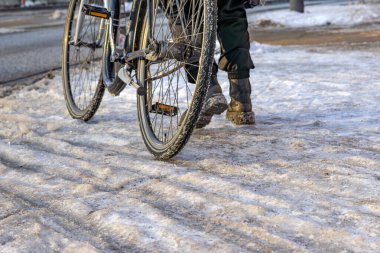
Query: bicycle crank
column 168, row 50
column 159, row 51
column 125, row 75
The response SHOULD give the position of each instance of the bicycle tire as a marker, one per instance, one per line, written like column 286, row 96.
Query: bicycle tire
column 158, row 144
column 75, row 74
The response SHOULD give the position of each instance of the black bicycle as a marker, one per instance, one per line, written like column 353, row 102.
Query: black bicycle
column 162, row 48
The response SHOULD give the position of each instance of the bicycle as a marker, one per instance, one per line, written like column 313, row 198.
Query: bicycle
column 165, row 51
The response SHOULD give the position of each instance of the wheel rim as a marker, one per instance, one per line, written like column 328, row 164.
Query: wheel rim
column 84, row 59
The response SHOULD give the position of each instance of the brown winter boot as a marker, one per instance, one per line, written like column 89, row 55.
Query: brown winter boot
column 239, row 110
column 215, row 103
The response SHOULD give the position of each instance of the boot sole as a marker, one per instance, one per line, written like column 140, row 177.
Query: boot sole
column 241, row 118
column 216, row 104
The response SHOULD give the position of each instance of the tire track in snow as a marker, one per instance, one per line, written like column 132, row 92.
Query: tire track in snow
column 79, row 169
column 73, row 225
column 236, row 235
column 99, row 185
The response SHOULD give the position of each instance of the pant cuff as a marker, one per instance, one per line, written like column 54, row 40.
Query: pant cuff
column 242, row 74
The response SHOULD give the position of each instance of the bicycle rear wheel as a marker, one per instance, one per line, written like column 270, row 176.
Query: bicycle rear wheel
column 176, row 88
column 82, row 61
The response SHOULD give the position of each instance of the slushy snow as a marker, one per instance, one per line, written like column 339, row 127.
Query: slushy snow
column 4, row 30
column 304, row 178
column 321, row 15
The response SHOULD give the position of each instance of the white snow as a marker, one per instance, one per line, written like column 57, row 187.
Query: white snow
column 4, row 30
column 127, row 6
column 31, row 3
column 305, row 178
column 321, row 15
column 58, row 14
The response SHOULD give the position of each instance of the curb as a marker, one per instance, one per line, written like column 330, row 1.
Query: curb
column 52, row 24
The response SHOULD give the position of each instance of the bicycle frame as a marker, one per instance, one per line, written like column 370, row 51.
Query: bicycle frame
column 128, row 54
column 80, row 19
column 156, row 50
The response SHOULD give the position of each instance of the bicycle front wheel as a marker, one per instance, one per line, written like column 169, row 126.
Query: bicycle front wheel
column 176, row 87
column 82, row 60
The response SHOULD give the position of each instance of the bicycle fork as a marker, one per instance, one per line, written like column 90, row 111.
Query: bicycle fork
column 92, row 10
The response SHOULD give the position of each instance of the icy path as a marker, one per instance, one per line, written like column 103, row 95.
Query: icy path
column 305, row 178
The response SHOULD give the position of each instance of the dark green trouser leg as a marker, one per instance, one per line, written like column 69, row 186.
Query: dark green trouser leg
column 234, row 39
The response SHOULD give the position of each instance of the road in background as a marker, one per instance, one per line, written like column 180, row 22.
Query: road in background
column 33, row 52
column 30, row 43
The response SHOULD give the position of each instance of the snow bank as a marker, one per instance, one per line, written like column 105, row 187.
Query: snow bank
column 320, row 15
column 58, row 14
column 128, row 6
column 305, row 178
column 10, row 30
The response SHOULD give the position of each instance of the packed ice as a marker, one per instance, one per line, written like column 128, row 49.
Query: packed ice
column 305, row 178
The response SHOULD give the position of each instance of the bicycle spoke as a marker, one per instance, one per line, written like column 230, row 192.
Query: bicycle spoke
column 179, row 22
column 84, row 59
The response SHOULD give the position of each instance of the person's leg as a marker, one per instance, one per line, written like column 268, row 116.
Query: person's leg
column 235, row 59
column 234, row 39
column 215, row 102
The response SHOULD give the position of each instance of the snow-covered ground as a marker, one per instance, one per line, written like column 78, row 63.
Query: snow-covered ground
column 305, row 178
column 10, row 30
column 344, row 14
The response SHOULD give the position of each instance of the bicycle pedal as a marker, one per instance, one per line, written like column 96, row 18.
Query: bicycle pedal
column 96, row 11
column 163, row 109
